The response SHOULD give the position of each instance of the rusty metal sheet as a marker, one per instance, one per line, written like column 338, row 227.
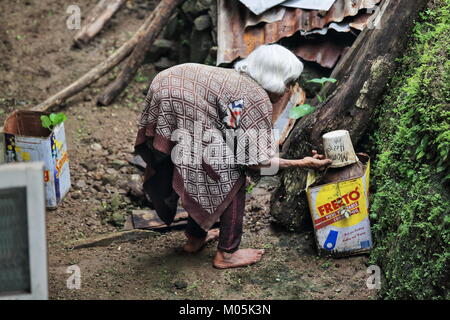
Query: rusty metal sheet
column 358, row 22
column 279, row 106
column 361, row 21
column 148, row 219
column 282, row 124
column 272, row 15
column 324, row 52
column 234, row 40
column 339, row 27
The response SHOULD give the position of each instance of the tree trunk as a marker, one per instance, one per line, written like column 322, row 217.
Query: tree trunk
column 162, row 14
column 97, row 72
column 362, row 75
column 99, row 16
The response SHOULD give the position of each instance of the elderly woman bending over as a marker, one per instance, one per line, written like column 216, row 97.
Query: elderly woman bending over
column 202, row 127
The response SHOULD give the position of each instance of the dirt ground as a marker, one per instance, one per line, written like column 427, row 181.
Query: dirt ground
column 36, row 60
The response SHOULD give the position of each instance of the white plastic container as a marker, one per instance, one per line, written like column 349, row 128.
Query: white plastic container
column 339, row 148
column 25, row 140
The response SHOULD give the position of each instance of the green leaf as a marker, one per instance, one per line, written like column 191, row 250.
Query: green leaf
column 410, row 173
column 424, row 142
column 53, row 117
column 322, row 80
column 46, row 122
column 249, row 188
column 420, row 155
column 301, row 111
column 60, row 118
column 419, row 150
column 440, row 169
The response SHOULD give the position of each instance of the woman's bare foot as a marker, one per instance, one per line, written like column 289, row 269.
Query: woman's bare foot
column 195, row 244
column 240, row 258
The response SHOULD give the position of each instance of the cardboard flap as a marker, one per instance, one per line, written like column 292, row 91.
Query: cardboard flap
column 26, row 123
column 2, row 146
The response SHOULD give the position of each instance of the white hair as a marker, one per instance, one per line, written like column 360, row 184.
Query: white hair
column 272, row 66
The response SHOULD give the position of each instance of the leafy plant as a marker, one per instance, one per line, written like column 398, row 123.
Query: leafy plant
column 141, row 78
column 411, row 172
column 322, row 82
column 51, row 121
column 302, row 110
column 249, row 188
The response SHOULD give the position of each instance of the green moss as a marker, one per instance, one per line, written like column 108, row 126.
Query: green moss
column 411, row 203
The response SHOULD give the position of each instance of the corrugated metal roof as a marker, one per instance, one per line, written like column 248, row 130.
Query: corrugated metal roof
column 309, row 4
column 325, row 52
column 281, row 121
column 339, row 27
column 270, row 16
column 236, row 40
column 240, row 32
column 260, row 6
column 360, row 21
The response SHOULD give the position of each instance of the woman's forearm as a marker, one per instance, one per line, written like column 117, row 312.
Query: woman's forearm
column 315, row 162
column 287, row 163
column 281, row 163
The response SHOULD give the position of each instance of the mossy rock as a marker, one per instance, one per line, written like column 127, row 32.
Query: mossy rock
column 410, row 183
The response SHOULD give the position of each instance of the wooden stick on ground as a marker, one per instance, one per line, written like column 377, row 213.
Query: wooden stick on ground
column 100, row 70
column 162, row 14
column 99, row 16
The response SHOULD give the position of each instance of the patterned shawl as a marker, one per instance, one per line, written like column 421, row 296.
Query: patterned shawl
column 192, row 110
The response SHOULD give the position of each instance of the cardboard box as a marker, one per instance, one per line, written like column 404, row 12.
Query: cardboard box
column 25, row 140
column 2, row 146
column 340, row 213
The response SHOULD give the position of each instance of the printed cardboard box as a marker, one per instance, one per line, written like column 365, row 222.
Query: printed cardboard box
column 25, row 140
column 340, row 213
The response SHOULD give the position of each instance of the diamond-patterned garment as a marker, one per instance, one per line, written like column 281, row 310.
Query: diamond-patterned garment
column 213, row 122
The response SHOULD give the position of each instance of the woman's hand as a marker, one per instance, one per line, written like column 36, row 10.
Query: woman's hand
column 317, row 161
